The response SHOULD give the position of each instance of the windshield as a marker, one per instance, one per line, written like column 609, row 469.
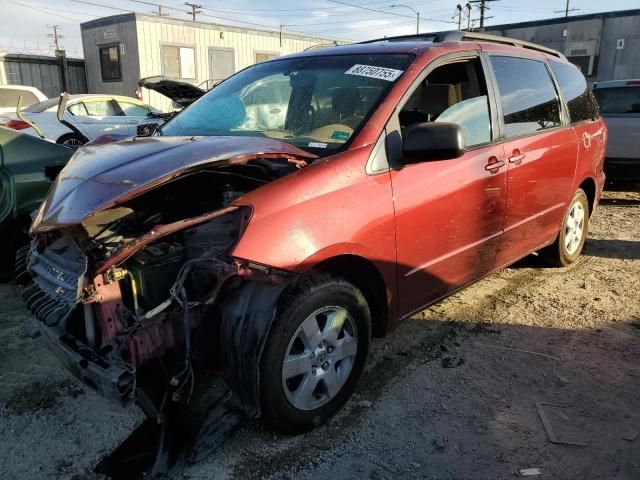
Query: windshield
column 315, row 103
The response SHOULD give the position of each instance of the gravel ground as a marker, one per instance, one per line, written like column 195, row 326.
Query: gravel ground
column 567, row 338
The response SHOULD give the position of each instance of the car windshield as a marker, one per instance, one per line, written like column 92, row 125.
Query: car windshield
column 315, row 103
column 618, row 100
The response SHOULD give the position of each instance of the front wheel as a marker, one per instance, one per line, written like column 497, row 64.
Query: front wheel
column 315, row 353
column 573, row 233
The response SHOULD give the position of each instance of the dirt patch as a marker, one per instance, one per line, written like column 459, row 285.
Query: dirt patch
column 41, row 396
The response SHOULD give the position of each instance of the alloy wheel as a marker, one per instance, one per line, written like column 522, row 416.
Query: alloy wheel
column 319, row 358
column 574, row 228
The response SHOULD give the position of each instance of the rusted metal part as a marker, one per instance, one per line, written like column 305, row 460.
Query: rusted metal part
column 100, row 177
column 156, row 233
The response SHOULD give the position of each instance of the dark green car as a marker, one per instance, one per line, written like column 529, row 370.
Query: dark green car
column 27, row 168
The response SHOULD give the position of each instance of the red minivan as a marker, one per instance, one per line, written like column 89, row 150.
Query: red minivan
column 304, row 205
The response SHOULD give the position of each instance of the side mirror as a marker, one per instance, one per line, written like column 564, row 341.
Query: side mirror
column 62, row 106
column 424, row 142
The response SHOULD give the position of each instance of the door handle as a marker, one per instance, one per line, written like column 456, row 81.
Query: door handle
column 517, row 158
column 494, row 165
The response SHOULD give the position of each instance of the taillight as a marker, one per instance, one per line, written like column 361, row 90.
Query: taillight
column 17, row 124
column 633, row 82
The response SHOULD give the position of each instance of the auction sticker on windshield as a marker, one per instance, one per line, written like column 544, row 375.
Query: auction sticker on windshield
column 382, row 73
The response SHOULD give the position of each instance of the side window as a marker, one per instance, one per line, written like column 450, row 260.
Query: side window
column 100, row 108
column 582, row 105
column 77, row 109
column 528, row 96
column 454, row 92
column 133, row 109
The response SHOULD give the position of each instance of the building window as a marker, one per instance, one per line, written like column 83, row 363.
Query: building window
column 110, row 63
column 179, row 62
column 264, row 56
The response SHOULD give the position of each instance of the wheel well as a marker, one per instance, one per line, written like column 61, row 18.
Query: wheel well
column 589, row 187
column 368, row 279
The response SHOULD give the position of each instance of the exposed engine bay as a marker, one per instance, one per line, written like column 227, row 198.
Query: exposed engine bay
column 136, row 298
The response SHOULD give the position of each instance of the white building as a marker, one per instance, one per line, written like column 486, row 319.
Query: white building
column 121, row 49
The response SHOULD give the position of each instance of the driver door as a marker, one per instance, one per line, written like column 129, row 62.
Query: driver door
column 449, row 213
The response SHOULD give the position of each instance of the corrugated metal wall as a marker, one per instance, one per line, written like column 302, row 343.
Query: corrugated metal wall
column 594, row 39
column 145, row 35
column 42, row 72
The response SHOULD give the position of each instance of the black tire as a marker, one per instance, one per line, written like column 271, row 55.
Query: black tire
column 307, row 296
column 557, row 254
column 71, row 140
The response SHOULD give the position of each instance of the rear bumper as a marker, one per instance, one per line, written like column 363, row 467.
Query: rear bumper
column 622, row 170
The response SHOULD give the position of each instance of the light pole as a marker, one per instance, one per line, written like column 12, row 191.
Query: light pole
column 414, row 11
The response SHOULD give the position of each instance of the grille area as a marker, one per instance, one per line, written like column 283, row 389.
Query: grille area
column 56, row 285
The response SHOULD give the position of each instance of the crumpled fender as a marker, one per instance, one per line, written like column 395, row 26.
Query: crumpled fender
column 247, row 315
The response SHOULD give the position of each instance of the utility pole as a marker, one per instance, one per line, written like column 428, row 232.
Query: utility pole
column 567, row 9
column 468, row 7
column 56, row 35
column 195, row 8
column 61, row 54
column 483, row 9
column 459, row 8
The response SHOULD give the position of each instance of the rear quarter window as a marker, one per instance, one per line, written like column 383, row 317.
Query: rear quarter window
column 619, row 100
column 580, row 101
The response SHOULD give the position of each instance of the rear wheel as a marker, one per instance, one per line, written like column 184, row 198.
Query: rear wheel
column 573, row 233
column 70, row 140
column 315, row 353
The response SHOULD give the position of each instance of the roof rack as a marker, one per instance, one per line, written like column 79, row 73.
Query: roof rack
column 460, row 36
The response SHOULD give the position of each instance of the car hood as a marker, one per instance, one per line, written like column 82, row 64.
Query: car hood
column 101, row 176
column 183, row 93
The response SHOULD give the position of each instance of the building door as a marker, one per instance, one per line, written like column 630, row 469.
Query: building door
column 222, row 64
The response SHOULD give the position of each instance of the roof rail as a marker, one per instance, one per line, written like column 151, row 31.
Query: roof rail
column 460, row 36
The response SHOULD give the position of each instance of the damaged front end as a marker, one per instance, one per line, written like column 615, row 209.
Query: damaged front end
column 140, row 297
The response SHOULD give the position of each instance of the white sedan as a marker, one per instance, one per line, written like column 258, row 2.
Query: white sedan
column 92, row 115
column 9, row 95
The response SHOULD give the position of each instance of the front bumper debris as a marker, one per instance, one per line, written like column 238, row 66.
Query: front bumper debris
column 53, row 293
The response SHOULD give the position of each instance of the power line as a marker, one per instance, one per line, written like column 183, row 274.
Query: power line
column 385, row 12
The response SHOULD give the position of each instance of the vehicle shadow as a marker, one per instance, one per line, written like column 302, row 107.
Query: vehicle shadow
column 620, row 202
column 413, row 413
column 612, row 248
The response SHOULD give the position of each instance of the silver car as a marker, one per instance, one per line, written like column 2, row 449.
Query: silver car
column 619, row 102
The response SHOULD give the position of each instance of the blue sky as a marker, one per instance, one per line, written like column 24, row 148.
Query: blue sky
column 24, row 23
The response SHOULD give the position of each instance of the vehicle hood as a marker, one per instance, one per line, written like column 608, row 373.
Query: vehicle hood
column 183, row 93
column 101, row 176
